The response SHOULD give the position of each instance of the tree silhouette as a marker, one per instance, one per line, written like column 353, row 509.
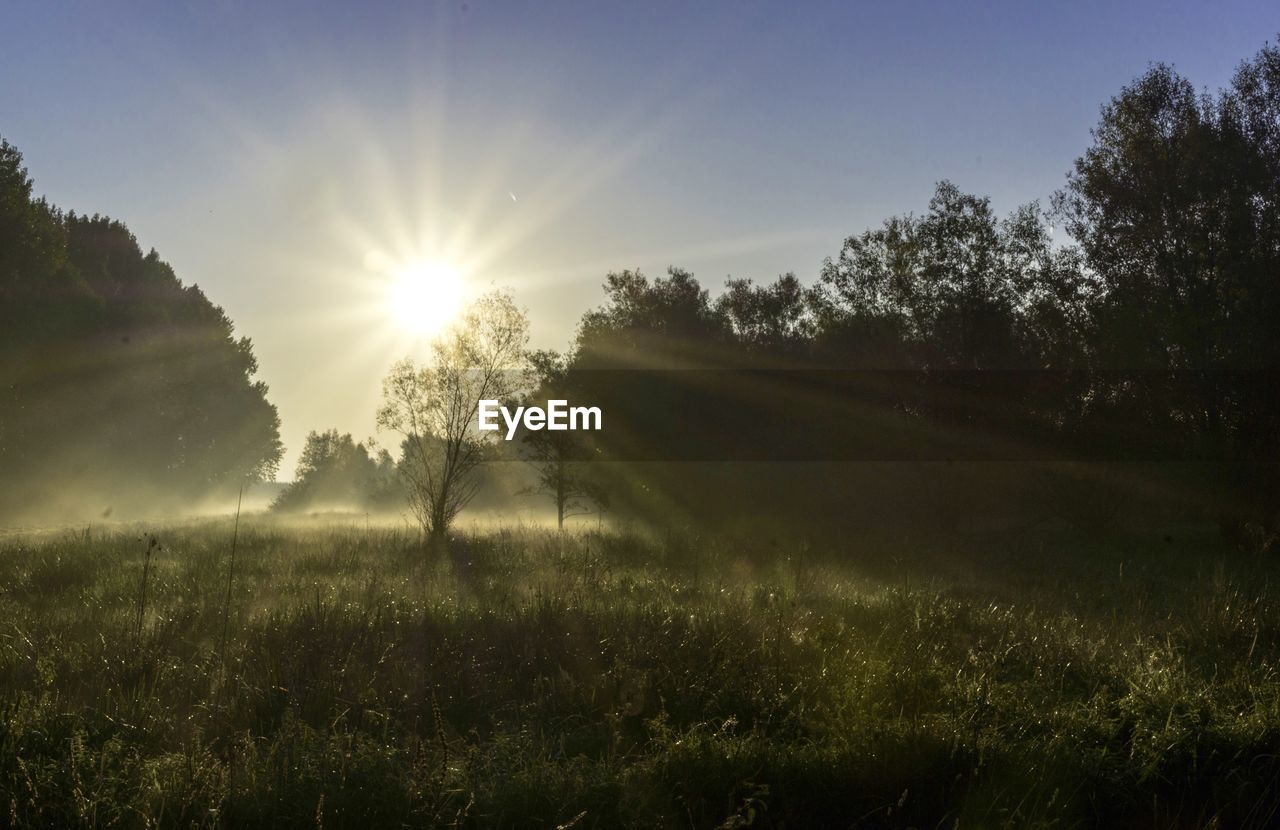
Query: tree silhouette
column 434, row 407
column 1177, row 211
column 958, row 287
column 666, row 322
column 558, row 456
column 114, row 376
column 772, row 318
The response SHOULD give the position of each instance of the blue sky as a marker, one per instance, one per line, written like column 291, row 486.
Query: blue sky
column 268, row 150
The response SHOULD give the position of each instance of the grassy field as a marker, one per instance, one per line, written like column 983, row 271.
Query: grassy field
column 619, row 679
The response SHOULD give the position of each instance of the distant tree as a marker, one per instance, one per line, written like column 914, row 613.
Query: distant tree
column 558, row 457
column 434, row 407
column 335, row 470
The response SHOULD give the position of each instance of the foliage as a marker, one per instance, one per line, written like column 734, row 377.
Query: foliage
column 662, row 323
column 1177, row 209
column 958, row 288
column 112, row 372
column 773, row 318
column 1149, row 334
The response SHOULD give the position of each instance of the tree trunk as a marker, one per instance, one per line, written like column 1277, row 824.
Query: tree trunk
column 438, row 535
column 560, row 500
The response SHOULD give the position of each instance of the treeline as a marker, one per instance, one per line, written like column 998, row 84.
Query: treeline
column 1112, row 358
column 1146, row 332
column 1114, row 355
column 120, row 387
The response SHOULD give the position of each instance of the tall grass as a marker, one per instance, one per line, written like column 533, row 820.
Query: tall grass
column 620, row 679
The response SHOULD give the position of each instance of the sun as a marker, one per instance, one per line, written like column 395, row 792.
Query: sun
column 424, row 297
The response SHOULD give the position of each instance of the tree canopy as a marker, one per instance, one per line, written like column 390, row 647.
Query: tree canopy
column 114, row 375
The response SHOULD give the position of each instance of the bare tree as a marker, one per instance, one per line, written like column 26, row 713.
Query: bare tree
column 435, row 406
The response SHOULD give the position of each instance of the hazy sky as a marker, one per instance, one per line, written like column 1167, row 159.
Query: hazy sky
column 286, row 156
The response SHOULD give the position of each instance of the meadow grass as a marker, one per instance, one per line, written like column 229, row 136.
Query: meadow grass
column 610, row 679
